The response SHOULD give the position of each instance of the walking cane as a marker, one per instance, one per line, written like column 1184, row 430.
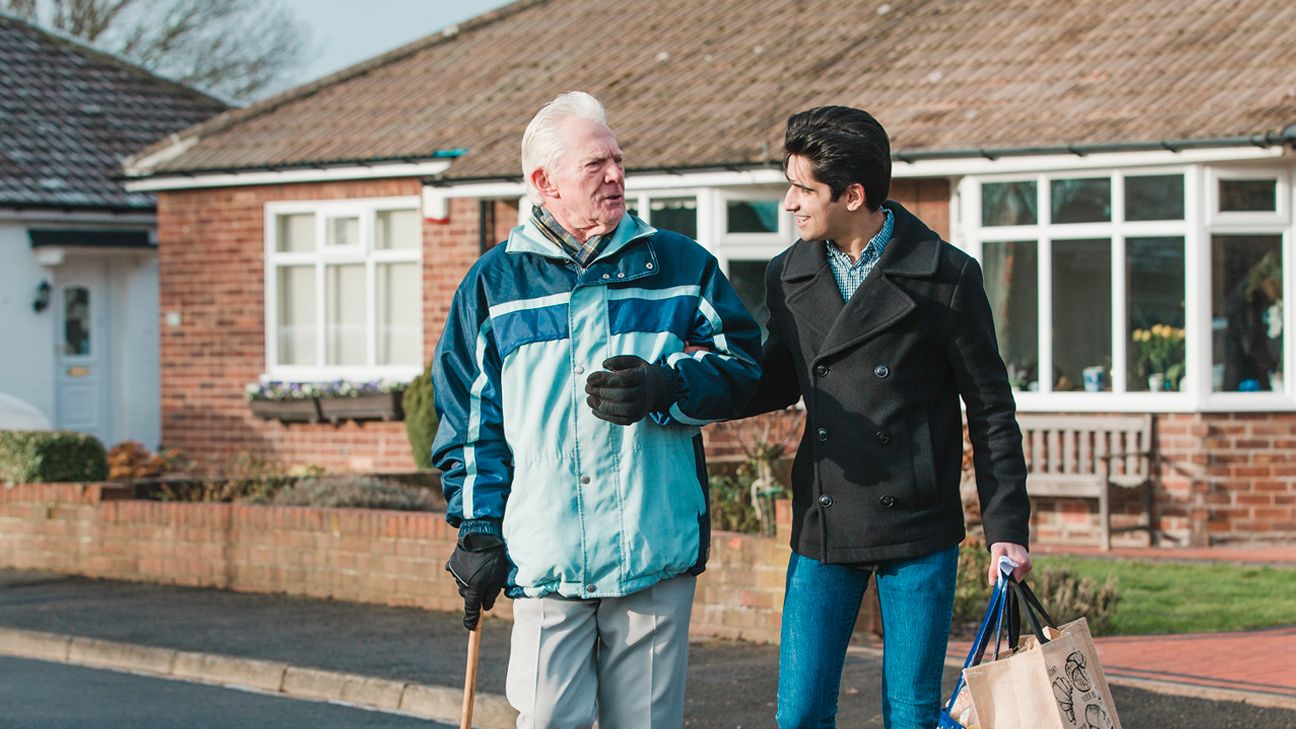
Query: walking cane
column 470, row 676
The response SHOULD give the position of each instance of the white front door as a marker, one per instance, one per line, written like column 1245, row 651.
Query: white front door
column 81, row 342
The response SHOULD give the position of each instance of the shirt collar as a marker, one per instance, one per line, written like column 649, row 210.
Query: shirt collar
column 872, row 251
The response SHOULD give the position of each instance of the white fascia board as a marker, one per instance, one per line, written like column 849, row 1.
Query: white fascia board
column 634, row 183
column 283, row 177
column 954, row 167
column 1058, row 162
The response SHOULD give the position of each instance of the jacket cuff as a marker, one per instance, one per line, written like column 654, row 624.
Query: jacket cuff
column 481, row 526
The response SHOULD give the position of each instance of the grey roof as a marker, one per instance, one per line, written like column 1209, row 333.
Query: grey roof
column 69, row 115
column 698, row 83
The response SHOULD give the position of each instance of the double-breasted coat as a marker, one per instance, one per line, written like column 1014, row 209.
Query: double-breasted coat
column 877, row 472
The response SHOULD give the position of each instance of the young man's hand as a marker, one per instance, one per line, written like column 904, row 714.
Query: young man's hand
column 480, row 568
column 628, row 388
column 1016, row 553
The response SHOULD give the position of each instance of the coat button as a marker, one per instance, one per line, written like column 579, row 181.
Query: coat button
column 590, row 588
column 821, row 370
column 888, row 501
column 881, row 370
column 882, row 437
column 584, row 479
column 580, row 370
column 822, row 433
column 825, row 501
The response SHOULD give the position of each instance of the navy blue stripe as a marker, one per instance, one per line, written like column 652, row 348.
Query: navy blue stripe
column 516, row 328
column 673, row 315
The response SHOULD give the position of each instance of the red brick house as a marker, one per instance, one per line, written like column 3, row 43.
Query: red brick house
column 1123, row 172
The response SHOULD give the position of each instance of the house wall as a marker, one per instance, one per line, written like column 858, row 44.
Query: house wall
column 211, row 262
column 135, row 393
column 27, row 354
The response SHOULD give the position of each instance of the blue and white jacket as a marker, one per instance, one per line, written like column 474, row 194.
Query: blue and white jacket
column 588, row 509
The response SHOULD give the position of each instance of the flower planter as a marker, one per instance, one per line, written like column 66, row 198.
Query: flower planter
column 373, row 406
column 304, row 410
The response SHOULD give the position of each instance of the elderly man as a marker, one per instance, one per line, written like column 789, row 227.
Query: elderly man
column 569, row 444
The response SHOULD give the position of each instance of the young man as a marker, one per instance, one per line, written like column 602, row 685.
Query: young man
column 881, row 327
column 581, row 491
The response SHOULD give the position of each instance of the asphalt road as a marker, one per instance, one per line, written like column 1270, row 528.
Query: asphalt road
column 731, row 685
column 38, row 695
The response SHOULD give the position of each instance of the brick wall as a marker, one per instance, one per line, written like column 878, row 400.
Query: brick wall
column 386, row 557
column 1223, row 478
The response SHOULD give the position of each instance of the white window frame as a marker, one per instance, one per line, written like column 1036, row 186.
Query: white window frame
column 1201, row 222
column 1279, row 223
column 364, row 252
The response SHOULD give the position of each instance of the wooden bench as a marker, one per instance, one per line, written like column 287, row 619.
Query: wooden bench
column 1087, row 457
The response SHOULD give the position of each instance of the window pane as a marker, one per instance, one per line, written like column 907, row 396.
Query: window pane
column 344, row 306
column 1154, row 296
column 1008, row 203
column 296, row 315
column 1082, row 315
column 1082, row 200
column 76, row 320
column 678, row 214
column 296, row 233
column 748, row 279
column 1154, row 197
column 400, row 314
column 753, row 216
column 1011, row 281
column 1246, row 312
column 343, row 231
column 397, row 229
column 1238, row 196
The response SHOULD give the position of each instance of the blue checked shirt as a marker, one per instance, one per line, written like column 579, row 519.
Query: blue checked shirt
column 850, row 274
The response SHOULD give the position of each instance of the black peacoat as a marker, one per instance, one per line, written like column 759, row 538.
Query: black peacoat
column 876, row 475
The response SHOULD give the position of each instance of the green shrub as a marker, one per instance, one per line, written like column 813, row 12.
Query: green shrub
column 420, row 417
column 40, row 456
column 731, row 509
column 354, row 492
column 1066, row 595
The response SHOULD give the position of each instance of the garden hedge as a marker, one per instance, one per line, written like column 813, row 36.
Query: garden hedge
column 43, row 456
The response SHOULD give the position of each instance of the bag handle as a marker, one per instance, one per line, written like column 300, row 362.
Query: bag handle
column 995, row 612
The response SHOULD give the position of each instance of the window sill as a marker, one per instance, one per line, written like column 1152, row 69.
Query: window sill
column 1149, row 402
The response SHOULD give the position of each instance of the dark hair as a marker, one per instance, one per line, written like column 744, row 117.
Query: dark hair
column 843, row 146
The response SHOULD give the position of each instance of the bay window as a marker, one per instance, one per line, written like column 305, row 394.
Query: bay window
column 1158, row 288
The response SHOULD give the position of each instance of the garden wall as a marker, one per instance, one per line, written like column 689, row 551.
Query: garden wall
column 372, row 556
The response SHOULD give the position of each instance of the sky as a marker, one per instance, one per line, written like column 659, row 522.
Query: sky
column 345, row 32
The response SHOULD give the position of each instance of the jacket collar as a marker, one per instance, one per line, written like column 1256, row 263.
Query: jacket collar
column 527, row 238
column 815, row 299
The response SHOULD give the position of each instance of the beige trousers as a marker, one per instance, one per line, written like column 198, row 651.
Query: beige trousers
column 621, row 660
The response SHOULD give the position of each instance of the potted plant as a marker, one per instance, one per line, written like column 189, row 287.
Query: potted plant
column 1160, row 355
column 287, row 402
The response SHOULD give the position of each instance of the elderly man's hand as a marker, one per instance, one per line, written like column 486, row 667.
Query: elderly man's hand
column 1016, row 553
column 628, row 388
column 480, row 568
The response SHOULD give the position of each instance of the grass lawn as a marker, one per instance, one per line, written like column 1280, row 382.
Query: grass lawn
column 1168, row 597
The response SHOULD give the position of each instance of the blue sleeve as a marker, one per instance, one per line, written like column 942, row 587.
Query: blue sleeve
column 719, row 377
column 475, row 460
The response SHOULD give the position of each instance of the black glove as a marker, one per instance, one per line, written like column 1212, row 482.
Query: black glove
column 480, row 567
column 628, row 388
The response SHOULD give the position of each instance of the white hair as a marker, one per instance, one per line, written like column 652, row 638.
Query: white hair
column 542, row 144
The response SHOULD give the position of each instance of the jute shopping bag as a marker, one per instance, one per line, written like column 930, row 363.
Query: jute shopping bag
column 1050, row 680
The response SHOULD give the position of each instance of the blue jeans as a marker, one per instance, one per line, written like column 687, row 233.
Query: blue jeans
column 819, row 611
